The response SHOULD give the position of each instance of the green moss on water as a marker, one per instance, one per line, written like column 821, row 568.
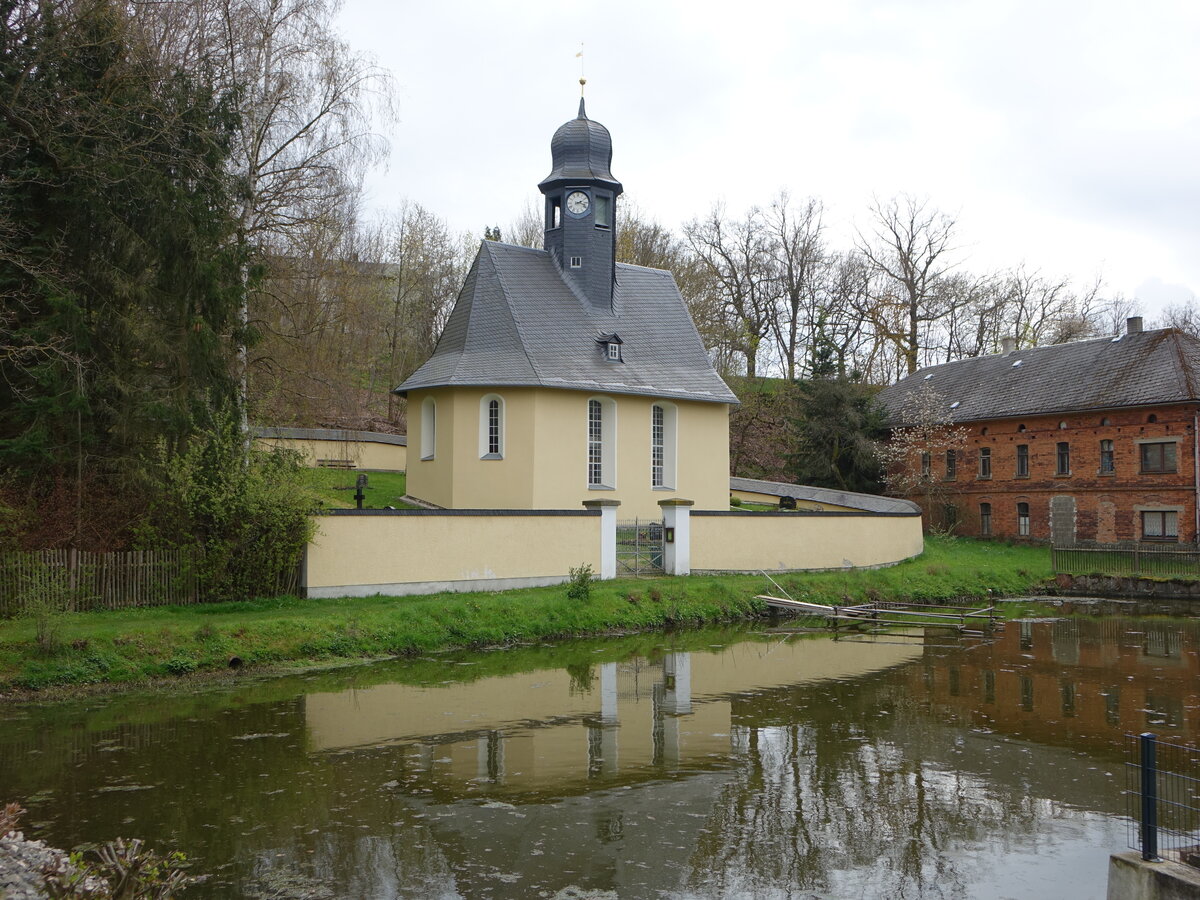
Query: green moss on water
column 167, row 642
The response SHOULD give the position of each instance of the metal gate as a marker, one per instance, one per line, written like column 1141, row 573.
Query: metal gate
column 639, row 547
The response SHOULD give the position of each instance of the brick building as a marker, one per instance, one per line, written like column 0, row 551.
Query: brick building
column 1088, row 441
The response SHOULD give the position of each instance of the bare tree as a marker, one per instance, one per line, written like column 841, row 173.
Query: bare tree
column 527, row 229
column 1184, row 316
column 304, row 105
column 798, row 257
column 910, row 247
column 738, row 255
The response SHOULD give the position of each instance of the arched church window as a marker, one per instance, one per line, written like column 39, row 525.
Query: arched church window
column 491, row 427
column 428, row 428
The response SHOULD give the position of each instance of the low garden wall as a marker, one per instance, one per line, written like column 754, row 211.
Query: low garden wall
column 782, row 541
column 352, row 449
column 357, row 553
column 417, row 551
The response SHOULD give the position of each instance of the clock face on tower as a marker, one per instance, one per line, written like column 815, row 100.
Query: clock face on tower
column 577, row 203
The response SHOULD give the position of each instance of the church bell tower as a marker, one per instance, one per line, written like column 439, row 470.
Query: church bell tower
column 581, row 208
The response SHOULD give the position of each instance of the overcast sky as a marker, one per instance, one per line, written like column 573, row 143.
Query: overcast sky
column 1064, row 134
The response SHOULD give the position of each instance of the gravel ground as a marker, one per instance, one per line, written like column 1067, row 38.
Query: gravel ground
column 22, row 864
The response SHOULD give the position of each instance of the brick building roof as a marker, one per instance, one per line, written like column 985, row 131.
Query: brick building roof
column 1144, row 368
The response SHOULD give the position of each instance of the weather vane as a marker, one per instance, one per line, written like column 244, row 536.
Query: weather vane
column 582, row 80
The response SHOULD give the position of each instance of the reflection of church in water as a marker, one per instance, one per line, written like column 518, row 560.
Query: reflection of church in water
column 526, row 731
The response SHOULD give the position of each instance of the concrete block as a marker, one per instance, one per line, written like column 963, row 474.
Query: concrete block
column 1132, row 878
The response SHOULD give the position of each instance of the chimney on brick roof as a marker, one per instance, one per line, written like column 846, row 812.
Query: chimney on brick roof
column 1007, row 345
column 1133, row 325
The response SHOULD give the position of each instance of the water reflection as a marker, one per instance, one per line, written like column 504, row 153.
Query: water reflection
column 714, row 764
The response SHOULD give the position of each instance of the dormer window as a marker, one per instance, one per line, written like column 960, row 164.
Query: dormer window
column 576, row 262
column 611, row 345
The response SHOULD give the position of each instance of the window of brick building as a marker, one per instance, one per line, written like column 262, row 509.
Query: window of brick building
column 1158, row 457
column 949, row 516
column 985, row 462
column 1023, row 519
column 1022, row 460
column 926, row 464
column 1107, row 463
column 1160, row 525
column 985, row 519
column 951, row 465
column 1063, row 457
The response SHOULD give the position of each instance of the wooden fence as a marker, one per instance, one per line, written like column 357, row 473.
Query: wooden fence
column 83, row 581
column 1155, row 562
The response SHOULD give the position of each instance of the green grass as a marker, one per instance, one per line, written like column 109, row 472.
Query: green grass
column 141, row 645
column 335, row 488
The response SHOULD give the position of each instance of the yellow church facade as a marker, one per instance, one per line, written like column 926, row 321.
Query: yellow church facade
column 649, row 449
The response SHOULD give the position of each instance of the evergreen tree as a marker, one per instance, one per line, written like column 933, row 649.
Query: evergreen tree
column 836, row 429
column 118, row 281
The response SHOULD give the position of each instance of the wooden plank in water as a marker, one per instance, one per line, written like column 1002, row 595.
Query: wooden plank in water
column 780, row 603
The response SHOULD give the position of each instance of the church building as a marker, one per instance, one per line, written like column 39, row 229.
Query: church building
column 563, row 376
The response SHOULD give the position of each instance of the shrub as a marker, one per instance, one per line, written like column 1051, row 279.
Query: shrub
column 245, row 511
column 44, row 596
column 735, row 501
column 580, row 584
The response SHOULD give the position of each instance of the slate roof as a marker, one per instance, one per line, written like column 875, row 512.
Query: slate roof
column 582, row 151
column 852, row 499
column 329, row 434
column 1146, row 368
column 518, row 322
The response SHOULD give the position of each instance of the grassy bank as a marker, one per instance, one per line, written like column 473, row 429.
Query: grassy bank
column 140, row 645
column 335, row 488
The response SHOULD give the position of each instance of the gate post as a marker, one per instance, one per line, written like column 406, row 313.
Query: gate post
column 677, row 536
column 608, row 535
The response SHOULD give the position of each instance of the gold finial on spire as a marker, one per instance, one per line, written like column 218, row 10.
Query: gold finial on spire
column 582, row 80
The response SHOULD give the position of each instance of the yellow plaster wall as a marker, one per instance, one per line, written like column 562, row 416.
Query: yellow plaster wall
column 399, row 548
column 545, row 453
column 756, row 497
column 752, row 541
column 431, row 480
column 364, row 454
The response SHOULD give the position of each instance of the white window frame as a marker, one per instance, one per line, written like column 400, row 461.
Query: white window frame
column 487, row 448
column 663, row 455
column 601, row 443
column 428, row 428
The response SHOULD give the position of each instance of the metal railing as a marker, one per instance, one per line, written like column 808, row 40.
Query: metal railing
column 1136, row 559
column 1162, row 798
column 639, row 547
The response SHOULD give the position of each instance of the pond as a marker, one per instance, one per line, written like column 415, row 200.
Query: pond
column 721, row 763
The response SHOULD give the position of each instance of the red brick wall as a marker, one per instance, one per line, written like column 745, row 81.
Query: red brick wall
column 1106, row 506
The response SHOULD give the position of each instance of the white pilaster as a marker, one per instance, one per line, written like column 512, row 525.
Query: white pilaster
column 677, row 553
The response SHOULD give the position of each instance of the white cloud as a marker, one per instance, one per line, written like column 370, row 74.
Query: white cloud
column 1063, row 134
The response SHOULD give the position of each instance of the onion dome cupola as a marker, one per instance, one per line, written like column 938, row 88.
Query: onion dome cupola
column 581, row 199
